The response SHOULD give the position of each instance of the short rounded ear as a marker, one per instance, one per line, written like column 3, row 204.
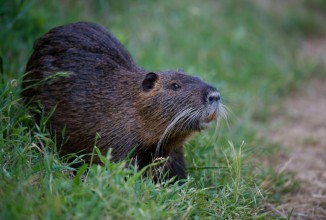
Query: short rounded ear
column 149, row 81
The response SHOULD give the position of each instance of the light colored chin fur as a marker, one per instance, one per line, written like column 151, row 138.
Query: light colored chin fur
column 221, row 114
column 205, row 124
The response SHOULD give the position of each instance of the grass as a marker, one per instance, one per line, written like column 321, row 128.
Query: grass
column 238, row 46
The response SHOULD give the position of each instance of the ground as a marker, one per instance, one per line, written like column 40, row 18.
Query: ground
column 300, row 127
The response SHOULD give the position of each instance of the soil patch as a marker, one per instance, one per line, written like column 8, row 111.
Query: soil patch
column 301, row 129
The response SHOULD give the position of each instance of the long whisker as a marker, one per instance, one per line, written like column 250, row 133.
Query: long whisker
column 170, row 127
column 223, row 115
column 224, row 111
column 189, row 120
column 184, row 119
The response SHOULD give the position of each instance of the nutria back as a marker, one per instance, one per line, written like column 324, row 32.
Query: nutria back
column 83, row 74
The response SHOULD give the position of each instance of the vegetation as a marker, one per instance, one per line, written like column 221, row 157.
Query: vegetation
column 245, row 49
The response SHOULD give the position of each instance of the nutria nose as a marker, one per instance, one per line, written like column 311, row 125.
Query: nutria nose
column 213, row 97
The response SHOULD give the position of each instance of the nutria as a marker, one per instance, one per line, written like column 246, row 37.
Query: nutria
column 141, row 114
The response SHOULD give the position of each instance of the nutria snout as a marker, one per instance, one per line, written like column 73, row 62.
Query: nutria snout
column 214, row 106
column 145, row 115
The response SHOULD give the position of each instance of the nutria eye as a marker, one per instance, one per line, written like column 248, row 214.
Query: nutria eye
column 175, row 86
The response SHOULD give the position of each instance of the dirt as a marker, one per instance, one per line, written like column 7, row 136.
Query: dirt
column 300, row 127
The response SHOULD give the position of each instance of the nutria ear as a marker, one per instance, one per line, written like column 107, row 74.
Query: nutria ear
column 149, row 81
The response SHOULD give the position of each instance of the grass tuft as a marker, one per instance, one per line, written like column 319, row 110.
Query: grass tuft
column 246, row 51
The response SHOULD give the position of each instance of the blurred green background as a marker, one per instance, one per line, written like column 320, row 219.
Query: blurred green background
column 249, row 50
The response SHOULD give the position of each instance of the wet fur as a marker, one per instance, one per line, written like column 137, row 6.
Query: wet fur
column 107, row 93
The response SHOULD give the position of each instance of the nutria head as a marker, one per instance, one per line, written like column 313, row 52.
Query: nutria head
column 173, row 105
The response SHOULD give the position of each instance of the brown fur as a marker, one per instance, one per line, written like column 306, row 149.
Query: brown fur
column 108, row 94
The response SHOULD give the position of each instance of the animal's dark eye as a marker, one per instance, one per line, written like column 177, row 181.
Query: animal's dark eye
column 175, row 86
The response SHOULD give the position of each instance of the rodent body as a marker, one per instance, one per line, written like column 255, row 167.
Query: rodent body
column 133, row 110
